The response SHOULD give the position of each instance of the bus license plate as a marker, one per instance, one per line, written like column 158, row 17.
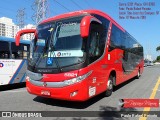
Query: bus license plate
column 44, row 92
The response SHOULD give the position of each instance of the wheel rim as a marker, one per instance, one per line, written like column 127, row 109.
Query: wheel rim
column 110, row 84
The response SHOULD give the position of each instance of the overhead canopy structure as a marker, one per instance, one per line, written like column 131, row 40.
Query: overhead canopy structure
column 2, row 38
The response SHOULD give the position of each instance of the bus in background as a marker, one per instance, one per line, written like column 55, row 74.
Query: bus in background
column 13, row 61
column 146, row 63
column 78, row 55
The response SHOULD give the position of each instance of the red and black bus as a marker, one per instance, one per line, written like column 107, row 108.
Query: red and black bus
column 78, row 55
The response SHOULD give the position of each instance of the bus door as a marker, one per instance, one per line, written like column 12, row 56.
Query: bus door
column 19, row 54
column 96, row 47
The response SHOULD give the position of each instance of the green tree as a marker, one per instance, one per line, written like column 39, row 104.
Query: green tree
column 158, row 48
column 158, row 58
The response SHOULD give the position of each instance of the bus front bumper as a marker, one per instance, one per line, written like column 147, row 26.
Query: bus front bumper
column 75, row 92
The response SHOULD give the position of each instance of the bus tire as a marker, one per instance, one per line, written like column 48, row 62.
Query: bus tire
column 109, row 86
column 138, row 74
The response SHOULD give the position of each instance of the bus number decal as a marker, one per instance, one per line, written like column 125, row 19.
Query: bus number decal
column 70, row 74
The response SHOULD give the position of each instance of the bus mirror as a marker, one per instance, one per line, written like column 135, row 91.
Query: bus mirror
column 22, row 32
column 85, row 25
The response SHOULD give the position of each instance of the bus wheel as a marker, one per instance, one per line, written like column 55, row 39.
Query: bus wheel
column 109, row 86
column 138, row 74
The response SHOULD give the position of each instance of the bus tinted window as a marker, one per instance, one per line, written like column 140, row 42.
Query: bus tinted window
column 117, row 38
column 19, row 52
column 104, row 21
column 125, row 41
column 98, row 38
column 97, row 42
column 132, row 45
column 4, row 50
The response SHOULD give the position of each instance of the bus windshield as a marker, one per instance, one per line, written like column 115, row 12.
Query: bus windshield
column 58, row 44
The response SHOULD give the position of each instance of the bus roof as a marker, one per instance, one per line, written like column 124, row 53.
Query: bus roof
column 2, row 38
column 76, row 13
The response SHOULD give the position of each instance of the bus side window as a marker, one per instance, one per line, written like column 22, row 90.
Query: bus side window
column 4, row 50
column 97, row 41
column 116, row 38
column 19, row 52
column 94, row 50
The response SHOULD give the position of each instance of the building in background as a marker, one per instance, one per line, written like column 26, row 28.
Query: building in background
column 7, row 27
column 149, row 57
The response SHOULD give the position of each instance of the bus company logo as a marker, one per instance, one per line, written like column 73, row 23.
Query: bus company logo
column 58, row 54
column 44, row 84
column 1, row 65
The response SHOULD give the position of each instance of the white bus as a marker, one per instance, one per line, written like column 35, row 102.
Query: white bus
column 13, row 61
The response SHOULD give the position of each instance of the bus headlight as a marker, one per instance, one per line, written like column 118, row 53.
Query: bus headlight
column 77, row 79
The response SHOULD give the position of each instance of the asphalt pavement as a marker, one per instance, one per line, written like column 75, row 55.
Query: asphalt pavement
column 18, row 99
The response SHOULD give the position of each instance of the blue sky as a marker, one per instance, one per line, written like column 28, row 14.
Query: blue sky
column 147, row 32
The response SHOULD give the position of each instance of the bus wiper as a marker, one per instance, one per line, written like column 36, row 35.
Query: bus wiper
column 53, row 49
